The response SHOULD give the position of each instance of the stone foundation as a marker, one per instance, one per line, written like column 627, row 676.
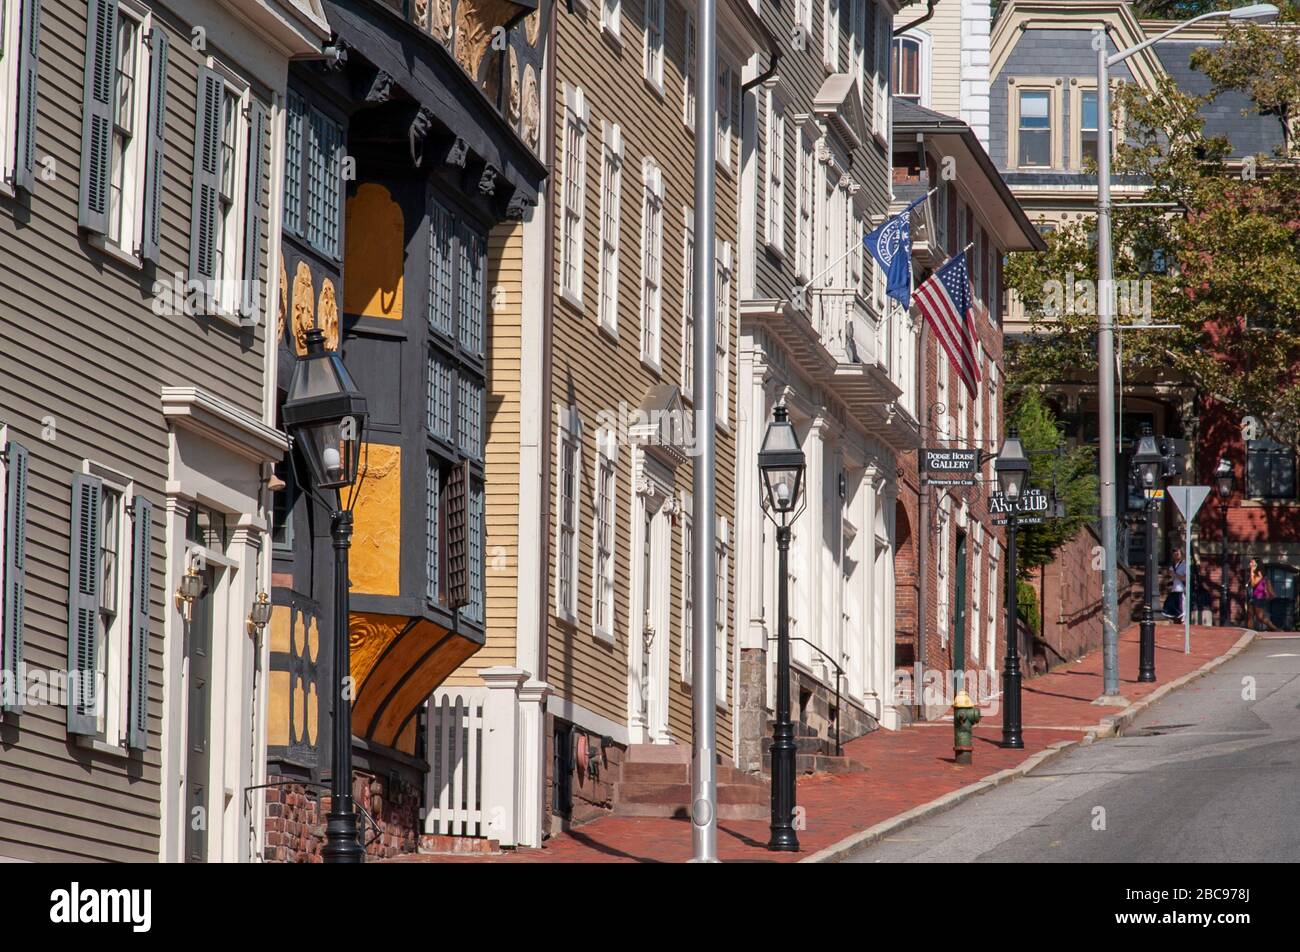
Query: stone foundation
column 295, row 818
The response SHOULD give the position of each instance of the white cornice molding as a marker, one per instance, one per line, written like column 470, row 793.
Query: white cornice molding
column 215, row 420
column 298, row 27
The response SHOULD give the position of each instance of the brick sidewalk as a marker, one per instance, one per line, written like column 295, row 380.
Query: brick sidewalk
column 907, row 768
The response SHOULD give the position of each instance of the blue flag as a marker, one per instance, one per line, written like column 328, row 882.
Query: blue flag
column 891, row 245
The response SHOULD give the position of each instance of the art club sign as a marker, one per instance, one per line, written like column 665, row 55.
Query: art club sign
column 944, row 467
column 1031, row 508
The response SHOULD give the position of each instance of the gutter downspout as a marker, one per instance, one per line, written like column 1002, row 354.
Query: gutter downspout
column 929, row 12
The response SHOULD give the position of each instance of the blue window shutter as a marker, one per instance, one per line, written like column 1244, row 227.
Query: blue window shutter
column 137, row 731
column 151, row 238
column 205, row 212
column 29, row 46
column 15, row 546
column 97, row 114
column 255, row 213
column 83, row 604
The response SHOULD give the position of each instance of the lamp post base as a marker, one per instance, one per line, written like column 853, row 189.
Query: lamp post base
column 342, row 844
column 1011, row 736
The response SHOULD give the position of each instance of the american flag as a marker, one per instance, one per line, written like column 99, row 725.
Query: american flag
column 944, row 299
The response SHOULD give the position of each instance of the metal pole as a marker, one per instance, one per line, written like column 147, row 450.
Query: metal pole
column 704, row 768
column 1147, row 638
column 341, row 842
column 1189, row 589
column 1224, row 611
column 783, row 788
column 1011, row 665
column 1106, row 386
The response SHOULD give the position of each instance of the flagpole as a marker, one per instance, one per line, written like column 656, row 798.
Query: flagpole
column 854, row 246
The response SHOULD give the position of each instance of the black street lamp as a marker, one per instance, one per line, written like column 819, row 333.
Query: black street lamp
column 781, row 464
column 325, row 414
column 1147, row 465
column 1224, row 482
column 1012, row 469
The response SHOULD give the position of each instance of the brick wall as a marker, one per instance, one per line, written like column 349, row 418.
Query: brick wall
column 295, row 818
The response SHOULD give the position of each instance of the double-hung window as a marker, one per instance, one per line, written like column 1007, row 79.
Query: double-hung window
column 124, row 100
column 880, row 74
column 688, row 74
column 774, row 220
column 577, row 117
column 688, row 592
column 831, row 35
column 611, row 18
column 610, row 192
column 724, row 113
column 1088, row 135
column 313, row 176
column 1270, row 470
column 652, row 233
column 567, row 470
column 688, row 303
column 722, row 335
column 721, row 550
column 653, row 55
column 905, row 69
column 1034, row 130
column 804, row 210
column 602, row 542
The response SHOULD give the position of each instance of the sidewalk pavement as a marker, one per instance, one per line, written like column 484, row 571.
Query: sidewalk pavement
column 908, row 770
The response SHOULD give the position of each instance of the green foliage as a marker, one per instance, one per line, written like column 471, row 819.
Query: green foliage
column 1027, row 604
column 1070, row 475
column 1224, row 268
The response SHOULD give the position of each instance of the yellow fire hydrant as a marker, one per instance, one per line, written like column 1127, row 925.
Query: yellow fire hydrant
column 965, row 715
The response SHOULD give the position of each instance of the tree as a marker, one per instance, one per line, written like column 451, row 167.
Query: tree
column 1070, row 476
column 1224, row 269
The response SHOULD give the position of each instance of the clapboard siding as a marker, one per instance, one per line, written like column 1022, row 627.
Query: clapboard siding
column 501, row 455
column 802, row 74
column 84, row 349
column 598, row 373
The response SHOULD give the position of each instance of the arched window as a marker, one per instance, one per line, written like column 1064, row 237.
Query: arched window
column 905, row 69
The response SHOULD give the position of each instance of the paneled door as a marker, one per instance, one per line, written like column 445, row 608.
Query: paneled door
column 198, row 737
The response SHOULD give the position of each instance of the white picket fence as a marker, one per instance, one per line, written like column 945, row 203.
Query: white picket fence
column 454, row 795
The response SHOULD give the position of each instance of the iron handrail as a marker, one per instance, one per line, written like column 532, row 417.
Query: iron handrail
column 839, row 673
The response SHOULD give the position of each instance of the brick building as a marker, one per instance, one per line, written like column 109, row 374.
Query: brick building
column 951, row 566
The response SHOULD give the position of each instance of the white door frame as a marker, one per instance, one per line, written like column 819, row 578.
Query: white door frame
column 654, row 503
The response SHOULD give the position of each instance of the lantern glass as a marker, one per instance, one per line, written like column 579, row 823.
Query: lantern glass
column 261, row 613
column 331, row 449
column 781, row 462
column 1224, row 480
column 1012, row 467
column 1147, row 460
column 326, row 414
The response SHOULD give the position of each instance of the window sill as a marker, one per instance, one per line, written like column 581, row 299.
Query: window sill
column 565, row 618
column 612, row 37
column 603, row 635
column 610, row 333
column 103, row 747
column 775, row 250
column 656, row 87
column 574, row 300
column 651, row 365
column 102, row 244
column 7, row 189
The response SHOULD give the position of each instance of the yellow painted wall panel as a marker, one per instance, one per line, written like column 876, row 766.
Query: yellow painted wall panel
column 375, row 561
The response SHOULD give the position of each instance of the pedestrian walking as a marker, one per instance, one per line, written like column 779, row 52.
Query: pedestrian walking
column 1261, row 591
column 1176, row 602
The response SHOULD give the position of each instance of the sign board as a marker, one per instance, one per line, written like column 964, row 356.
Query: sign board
column 943, row 467
column 1031, row 508
column 1154, row 493
column 1188, row 499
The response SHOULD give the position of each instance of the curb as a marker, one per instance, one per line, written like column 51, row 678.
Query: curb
column 1108, row 727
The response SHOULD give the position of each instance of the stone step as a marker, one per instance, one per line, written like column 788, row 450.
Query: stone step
column 638, row 771
column 658, row 754
column 440, row 843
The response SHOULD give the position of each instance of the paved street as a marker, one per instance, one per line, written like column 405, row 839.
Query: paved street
column 1202, row 776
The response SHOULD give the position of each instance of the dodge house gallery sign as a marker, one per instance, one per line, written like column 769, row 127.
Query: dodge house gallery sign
column 950, row 467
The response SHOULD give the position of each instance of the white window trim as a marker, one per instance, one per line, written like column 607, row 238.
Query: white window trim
column 688, row 516
column 1045, row 84
column 722, row 552
column 725, row 265
column 652, row 59
column 924, row 44
column 976, row 595
column 127, row 245
column 611, row 191
column 831, row 35
column 805, row 175
column 116, row 643
column 803, row 17
column 994, row 609
column 880, row 77
column 611, row 21
column 774, row 187
column 688, row 303
column 11, row 27
column 723, row 108
column 606, row 455
column 652, row 287
column 689, row 69
column 577, row 115
column 568, row 430
column 228, row 296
